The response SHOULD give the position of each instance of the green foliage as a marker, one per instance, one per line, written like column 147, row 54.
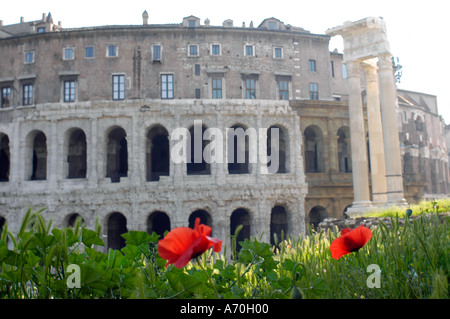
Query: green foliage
column 413, row 260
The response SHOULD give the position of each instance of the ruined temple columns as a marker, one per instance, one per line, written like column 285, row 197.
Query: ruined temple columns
column 376, row 143
column 394, row 177
column 357, row 138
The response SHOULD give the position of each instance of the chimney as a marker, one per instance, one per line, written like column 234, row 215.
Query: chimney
column 43, row 17
column 22, row 19
column 145, row 17
column 1, row 23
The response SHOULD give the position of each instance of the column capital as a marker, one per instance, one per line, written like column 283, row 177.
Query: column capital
column 353, row 68
column 385, row 62
column 370, row 71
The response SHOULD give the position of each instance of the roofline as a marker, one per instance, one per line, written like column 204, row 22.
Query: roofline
column 175, row 26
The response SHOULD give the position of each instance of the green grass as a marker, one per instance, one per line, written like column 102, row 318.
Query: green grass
column 424, row 207
column 413, row 260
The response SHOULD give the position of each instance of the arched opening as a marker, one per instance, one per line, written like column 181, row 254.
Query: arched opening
column 278, row 224
column 419, row 124
column 76, row 156
column 314, row 154
column 159, row 223
column 196, row 164
column 345, row 213
column 205, row 218
column 2, row 223
column 408, row 167
column 344, row 150
column 316, row 215
column 117, row 155
column 5, row 158
column 71, row 219
column 39, row 159
column 157, row 154
column 238, row 150
column 117, row 225
column 277, row 148
column 240, row 217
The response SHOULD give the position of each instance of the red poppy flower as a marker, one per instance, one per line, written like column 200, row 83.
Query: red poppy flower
column 350, row 240
column 183, row 243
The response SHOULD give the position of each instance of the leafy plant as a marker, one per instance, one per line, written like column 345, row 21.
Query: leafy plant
column 413, row 260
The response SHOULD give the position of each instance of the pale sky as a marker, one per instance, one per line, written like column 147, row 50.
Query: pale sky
column 415, row 28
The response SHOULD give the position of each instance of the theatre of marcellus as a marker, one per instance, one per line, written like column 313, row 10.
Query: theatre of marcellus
column 94, row 122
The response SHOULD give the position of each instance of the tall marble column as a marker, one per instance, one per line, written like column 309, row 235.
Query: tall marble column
column 376, row 143
column 394, row 177
column 358, row 141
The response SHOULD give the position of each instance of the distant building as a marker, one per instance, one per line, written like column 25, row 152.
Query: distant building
column 87, row 115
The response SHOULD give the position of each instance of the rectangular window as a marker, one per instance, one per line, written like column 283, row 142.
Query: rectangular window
column 113, row 51
column 89, row 52
column 332, row 68
column 283, row 86
column 27, row 94
column 250, row 89
column 157, row 52
column 69, row 91
column 118, row 87
column 193, row 50
column 344, row 71
column 69, row 54
column 312, row 66
column 215, row 49
column 41, row 30
column 216, row 88
column 313, row 91
column 197, row 93
column 249, row 50
column 197, row 69
column 29, row 57
column 167, row 86
column 5, row 100
column 278, row 53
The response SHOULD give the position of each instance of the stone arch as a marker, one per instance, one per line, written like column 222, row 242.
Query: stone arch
column 344, row 213
column 116, row 226
column 158, row 222
column 157, row 153
column 195, row 162
column 205, row 218
column 76, row 153
column 36, row 166
column 344, row 150
column 5, row 158
column 419, row 121
column 240, row 216
column 2, row 223
column 408, row 166
column 116, row 154
column 316, row 215
column 278, row 223
column 282, row 148
column 69, row 221
column 238, row 150
column 314, row 150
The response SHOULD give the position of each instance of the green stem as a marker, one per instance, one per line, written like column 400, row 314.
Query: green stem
column 208, row 276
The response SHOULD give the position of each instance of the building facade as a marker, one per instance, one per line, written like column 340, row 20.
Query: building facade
column 89, row 119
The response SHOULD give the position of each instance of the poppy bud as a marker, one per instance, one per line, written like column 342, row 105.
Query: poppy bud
column 296, row 293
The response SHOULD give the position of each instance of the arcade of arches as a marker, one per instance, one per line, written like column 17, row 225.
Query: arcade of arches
column 159, row 222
